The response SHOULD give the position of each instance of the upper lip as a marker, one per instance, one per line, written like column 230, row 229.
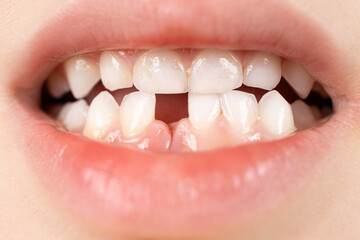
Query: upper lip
column 81, row 27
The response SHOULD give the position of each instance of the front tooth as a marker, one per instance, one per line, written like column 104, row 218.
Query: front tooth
column 240, row 109
column 263, row 71
column 57, row 85
column 73, row 115
column 160, row 71
column 203, row 109
column 276, row 114
column 83, row 74
column 137, row 111
column 303, row 114
column 215, row 71
column 115, row 73
column 102, row 117
column 297, row 77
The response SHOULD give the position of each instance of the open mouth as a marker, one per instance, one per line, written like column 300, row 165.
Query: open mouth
column 173, row 125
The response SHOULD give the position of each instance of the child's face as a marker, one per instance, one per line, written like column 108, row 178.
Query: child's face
column 237, row 168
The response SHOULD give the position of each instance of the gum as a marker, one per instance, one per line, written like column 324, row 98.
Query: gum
column 182, row 137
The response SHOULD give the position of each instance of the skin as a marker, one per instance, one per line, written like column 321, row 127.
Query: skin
column 327, row 209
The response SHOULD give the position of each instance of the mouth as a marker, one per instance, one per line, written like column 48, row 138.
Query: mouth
column 183, row 121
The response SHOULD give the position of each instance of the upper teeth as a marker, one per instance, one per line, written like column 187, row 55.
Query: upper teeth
column 297, row 77
column 115, row 73
column 160, row 71
column 215, row 71
column 263, row 71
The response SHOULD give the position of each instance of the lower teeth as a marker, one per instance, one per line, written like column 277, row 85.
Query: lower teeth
column 214, row 120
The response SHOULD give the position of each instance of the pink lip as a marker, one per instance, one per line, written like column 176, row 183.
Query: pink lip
column 152, row 194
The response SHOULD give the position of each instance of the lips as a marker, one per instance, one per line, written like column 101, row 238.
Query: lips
column 152, row 194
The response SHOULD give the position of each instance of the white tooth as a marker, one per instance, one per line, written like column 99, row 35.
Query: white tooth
column 297, row 77
column 263, row 71
column 203, row 109
column 73, row 115
column 137, row 111
column 115, row 73
column 102, row 117
column 160, row 71
column 83, row 74
column 57, row 85
column 303, row 114
column 276, row 114
column 215, row 71
column 240, row 109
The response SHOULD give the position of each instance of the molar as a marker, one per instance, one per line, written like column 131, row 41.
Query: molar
column 263, row 71
column 57, row 84
column 215, row 71
column 297, row 77
column 160, row 71
column 73, row 115
column 240, row 109
column 82, row 74
column 276, row 114
column 203, row 109
column 137, row 111
column 102, row 117
column 114, row 71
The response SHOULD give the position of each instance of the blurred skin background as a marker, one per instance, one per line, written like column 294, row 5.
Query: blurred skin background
column 329, row 208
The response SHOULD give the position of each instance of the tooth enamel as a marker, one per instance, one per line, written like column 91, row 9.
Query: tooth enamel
column 73, row 115
column 276, row 114
column 297, row 77
column 303, row 114
column 115, row 74
column 102, row 116
column 203, row 109
column 160, row 71
column 263, row 71
column 57, row 85
column 137, row 111
column 215, row 71
column 82, row 74
column 240, row 109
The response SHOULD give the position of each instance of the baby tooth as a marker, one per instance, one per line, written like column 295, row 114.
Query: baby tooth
column 73, row 115
column 203, row 109
column 276, row 114
column 160, row 71
column 215, row 71
column 82, row 74
column 102, row 117
column 137, row 111
column 115, row 74
column 303, row 114
column 57, row 85
column 263, row 71
column 297, row 77
column 240, row 109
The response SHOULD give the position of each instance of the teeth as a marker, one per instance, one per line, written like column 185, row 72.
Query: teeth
column 57, row 85
column 102, row 117
column 303, row 114
column 298, row 78
column 215, row 71
column 263, row 71
column 203, row 109
column 276, row 114
column 137, row 111
column 73, row 116
column 240, row 109
column 115, row 74
column 82, row 74
column 160, row 71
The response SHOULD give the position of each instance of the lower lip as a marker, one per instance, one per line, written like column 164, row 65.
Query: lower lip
column 168, row 194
